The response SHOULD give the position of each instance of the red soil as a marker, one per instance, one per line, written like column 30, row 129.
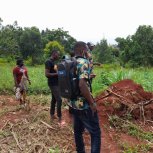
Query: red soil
column 124, row 93
column 111, row 104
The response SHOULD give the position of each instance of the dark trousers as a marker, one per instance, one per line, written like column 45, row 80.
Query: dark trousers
column 55, row 101
column 85, row 119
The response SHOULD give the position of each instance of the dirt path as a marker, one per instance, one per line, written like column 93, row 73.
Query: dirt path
column 32, row 135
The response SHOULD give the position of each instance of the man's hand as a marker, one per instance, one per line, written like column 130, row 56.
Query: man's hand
column 96, row 63
column 92, row 75
column 93, row 108
column 55, row 68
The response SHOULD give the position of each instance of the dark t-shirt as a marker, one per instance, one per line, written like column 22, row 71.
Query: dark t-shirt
column 52, row 81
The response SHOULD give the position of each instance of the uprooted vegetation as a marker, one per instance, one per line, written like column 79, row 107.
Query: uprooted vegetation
column 36, row 137
column 129, row 109
column 125, row 114
column 32, row 132
column 127, row 97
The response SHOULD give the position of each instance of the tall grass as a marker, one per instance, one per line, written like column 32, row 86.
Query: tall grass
column 106, row 75
column 36, row 75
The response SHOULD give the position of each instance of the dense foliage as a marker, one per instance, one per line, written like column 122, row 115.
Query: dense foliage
column 137, row 50
column 34, row 45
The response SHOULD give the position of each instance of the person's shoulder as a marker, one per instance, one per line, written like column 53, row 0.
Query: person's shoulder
column 15, row 68
column 82, row 60
column 48, row 61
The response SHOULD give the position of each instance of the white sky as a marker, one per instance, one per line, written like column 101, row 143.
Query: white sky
column 86, row 20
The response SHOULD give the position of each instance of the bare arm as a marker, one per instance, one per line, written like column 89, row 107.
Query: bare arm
column 86, row 94
column 28, row 79
column 85, row 91
column 26, row 74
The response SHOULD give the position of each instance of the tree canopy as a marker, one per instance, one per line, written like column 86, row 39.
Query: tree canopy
column 31, row 43
column 137, row 50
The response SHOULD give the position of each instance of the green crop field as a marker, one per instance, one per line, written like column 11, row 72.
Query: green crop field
column 106, row 75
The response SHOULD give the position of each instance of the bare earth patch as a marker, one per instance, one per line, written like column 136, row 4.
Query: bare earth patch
column 33, row 132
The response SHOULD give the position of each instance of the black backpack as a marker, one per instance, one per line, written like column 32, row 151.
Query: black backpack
column 67, row 78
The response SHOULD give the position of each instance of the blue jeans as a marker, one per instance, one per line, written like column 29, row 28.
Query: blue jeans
column 85, row 119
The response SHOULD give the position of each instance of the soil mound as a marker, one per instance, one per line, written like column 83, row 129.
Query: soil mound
column 126, row 96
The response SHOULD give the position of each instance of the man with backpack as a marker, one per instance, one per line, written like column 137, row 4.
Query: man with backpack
column 83, row 105
column 52, row 75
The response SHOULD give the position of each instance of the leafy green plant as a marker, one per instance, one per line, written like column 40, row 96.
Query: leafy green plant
column 143, row 148
column 54, row 150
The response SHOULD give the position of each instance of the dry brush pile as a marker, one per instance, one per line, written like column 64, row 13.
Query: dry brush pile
column 35, row 134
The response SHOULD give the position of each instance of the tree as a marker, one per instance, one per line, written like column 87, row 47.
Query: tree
column 143, row 46
column 103, row 52
column 51, row 46
column 137, row 50
column 60, row 36
column 124, row 46
column 8, row 41
column 31, row 44
column 1, row 23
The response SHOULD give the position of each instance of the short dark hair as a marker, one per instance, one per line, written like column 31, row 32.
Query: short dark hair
column 90, row 44
column 19, row 61
column 79, row 45
column 54, row 51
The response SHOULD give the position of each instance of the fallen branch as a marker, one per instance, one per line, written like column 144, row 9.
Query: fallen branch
column 5, row 125
column 143, row 113
column 65, row 149
column 97, row 99
column 146, row 103
column 136, row 106
column 127, row 103
column 14, row 136
column 48, row 125
column 149, row 121
column 16, row 140
column 35, row 116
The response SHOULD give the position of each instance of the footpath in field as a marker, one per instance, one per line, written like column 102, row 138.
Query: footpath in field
column 126, row 119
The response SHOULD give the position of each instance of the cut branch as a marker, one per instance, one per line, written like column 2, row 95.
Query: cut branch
column 48, row 125
column 16, row 140
column 127, row 103
column 146, row 103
